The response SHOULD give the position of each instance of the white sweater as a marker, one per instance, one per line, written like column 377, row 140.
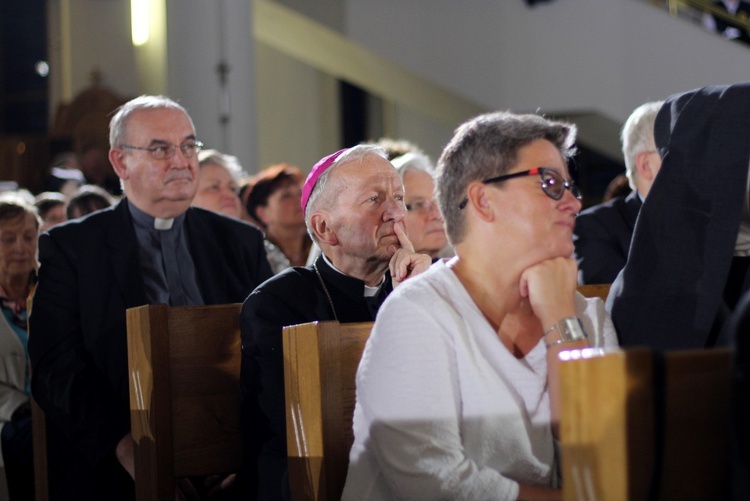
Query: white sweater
column 444, row 410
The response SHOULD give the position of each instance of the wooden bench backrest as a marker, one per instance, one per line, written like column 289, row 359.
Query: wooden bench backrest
column 595, row 290
column 320, row 367
column 614, row 409
column 184, row 368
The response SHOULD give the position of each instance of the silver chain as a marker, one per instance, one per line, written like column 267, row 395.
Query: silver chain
column 325, row 289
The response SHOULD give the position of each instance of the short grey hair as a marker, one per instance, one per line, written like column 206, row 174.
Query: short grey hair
column 15, row 204
column 637, row 136
column 412, row 161
column 323, row 198
column 487, row 146
column 228, row 162
column 118, row 126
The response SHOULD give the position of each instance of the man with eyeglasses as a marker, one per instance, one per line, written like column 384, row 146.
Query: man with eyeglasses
column 603, row 232
column 150, row 248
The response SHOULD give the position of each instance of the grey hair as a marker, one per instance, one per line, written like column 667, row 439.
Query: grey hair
column 323, row 198
column 637, row 136
column 118, row 126
column 487, row 146
column 412, row 161
column 228, row 162
column 16, row 204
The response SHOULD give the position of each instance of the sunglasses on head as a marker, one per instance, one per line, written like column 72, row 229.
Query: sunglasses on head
column 552, row 183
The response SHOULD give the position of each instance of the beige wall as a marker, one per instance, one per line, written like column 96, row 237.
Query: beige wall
column 298, row 111
column 602, row 56
column 196, row 36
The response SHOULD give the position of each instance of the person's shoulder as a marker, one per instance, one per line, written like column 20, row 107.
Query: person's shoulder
column 225, row 227
column 603, row 209
column 88, row 225
column 295, row 280
column 608, row 215
column 426, row 286
column 291, row 293
column 223, row 221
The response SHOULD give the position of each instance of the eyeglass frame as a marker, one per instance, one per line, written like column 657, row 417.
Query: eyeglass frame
column 433, row 205
column 567, row 184
column 172, row 151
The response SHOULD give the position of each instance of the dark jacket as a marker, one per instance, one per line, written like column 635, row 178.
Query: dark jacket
column 90, row 274
column 670, row 293
column 602, row 238
column 295, row 296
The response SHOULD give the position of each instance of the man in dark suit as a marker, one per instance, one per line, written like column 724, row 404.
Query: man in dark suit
column 690, row 257
column 150, row 248
column 354, row 209
column 603, row 232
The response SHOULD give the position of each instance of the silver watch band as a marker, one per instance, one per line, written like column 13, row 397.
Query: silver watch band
column 566, row 330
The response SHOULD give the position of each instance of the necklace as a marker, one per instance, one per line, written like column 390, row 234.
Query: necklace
column 325, row 289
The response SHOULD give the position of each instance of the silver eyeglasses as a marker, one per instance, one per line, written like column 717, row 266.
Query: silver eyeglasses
column 166, row 151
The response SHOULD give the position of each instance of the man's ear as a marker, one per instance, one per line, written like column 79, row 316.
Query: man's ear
column 643, row 166
column 322, row 230
column 476, row 192
column 117, row 159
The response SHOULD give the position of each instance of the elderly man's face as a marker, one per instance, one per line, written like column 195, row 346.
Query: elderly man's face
column 369, row 200
column 161, row 188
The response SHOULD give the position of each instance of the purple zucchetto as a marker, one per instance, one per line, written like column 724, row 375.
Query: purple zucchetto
column 317, row 171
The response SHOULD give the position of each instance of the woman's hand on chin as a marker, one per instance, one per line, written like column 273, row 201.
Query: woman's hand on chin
column 550, row 287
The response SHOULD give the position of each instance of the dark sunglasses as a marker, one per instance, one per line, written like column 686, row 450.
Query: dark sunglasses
column 552, row 183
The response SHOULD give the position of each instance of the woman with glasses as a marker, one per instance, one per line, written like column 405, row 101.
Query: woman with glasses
column 457, row 392
column 424, row 224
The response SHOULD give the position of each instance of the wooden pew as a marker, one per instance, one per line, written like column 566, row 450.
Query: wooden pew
column 595, row 290
column 635, row 423
column 320, row 366
column 184, row 371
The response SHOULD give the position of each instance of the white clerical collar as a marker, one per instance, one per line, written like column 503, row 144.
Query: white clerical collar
column 163, row 224
column 150, row 223
column 373, row 291
column 370, row 291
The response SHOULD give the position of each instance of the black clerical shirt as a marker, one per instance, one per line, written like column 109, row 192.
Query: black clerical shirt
column 295, row 296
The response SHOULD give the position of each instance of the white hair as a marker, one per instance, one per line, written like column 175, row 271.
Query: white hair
column 323, row 198
column 638, row 136
column 413, row 161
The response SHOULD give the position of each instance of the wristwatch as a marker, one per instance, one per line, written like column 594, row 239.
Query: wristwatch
column 566, row 330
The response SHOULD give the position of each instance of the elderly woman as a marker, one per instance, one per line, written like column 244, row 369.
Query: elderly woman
column 424, row 224
column 457, row 388
column 218, row 184
column 19, row 228
column 272, row 199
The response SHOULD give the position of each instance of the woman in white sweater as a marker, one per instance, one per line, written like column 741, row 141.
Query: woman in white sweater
column 457, row 388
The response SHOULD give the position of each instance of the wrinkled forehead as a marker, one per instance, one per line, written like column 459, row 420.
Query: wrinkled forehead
column 169, row 125
column 18, row 222
column 369, row 173
column 418, row 183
